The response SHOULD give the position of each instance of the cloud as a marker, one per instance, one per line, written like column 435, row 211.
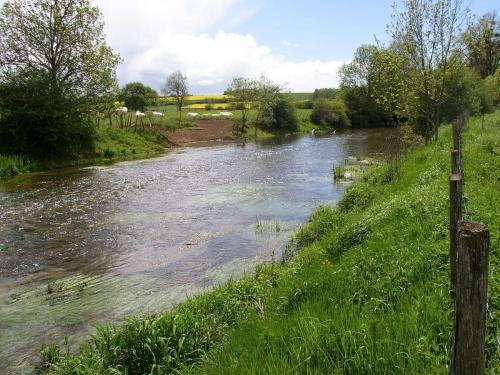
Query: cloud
column 156, row 37
column 210, row 62
column 286, row 43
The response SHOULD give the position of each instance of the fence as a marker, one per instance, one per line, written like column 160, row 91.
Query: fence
column 469, row 244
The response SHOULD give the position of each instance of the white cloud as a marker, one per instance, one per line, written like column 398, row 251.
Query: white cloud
column 211, row 61
column 287, row 43
column 156, row 37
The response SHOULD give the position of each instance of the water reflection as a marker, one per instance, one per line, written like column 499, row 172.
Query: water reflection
column 84, row 245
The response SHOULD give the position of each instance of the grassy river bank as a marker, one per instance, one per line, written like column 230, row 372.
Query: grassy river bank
column 364, row 288
column 113, row 144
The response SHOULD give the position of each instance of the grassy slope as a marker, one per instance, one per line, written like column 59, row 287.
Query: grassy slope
column 127, row 143
column 111, row 145
column 367, row 291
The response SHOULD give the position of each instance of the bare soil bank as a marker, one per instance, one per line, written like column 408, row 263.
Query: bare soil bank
column 207, row 131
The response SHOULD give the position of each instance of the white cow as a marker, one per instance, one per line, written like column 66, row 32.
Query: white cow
column 120, row 111
column 158, row 114
column 226, row 114
column 140, row 114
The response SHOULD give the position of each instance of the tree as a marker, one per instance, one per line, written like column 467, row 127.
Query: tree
column 61, row 39
column 268, row 94
column 482, row 44
column 356, row 81
column 358, row 72
column 284, row 114
column 426, row 32
column 390, row 82
column 138, row 96
column 176, row 87
column 325, row 93
column 36, row 120
column 244, row 92
column 54, row 63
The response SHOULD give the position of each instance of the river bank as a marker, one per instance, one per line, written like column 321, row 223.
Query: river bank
column 111, row 145
column 114, row 145
column 364, row 288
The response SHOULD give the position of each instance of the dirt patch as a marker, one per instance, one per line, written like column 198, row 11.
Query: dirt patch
column 208, row 131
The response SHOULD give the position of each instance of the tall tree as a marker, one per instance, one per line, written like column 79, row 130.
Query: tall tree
column 138, row 96
column 54, row 64
column 426, row 32
column 244, row 92
column 62, row 39
column 482, row 44
column 268, row 94
column 356, row 81
column 176, row 87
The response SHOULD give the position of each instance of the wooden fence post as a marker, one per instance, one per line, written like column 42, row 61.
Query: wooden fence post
column 455, row 162
column 467, row 351
column 455, row 217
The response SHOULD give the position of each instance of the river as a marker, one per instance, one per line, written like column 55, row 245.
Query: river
column 86, row 245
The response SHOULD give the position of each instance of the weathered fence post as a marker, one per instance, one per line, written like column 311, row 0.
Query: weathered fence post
column 467, row 351
column 455, row 217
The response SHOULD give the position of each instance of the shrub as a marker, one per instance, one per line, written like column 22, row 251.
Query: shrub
column 489, row 92
column 284, row 116
column 332, row 113
column 39, row 121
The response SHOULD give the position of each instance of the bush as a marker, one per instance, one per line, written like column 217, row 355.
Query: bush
column 332, row 113
column 462, row 92
column 39, row 121
column 489, row 93
column 284, row 116
column 362, row 110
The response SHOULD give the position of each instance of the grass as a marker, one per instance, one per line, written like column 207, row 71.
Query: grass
column 12, row 165
column 111, row 145
column 114, row 143
column 365, row 289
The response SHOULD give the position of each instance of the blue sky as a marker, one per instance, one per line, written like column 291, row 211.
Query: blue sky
column 298, row 43
column 327, row 29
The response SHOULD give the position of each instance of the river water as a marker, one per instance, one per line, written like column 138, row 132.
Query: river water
column 87, row 245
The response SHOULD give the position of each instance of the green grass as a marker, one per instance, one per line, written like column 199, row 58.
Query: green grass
column 111, row 145
column 114, row 143
column 12, row 165
column 364, row 289
column 298, row 96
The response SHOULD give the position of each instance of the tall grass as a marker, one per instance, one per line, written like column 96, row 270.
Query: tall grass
column 365, row 293
column 12, row 165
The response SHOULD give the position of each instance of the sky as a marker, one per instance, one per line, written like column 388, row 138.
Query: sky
column 299, row 44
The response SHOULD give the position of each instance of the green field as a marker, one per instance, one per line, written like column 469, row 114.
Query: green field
column 364, row 289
